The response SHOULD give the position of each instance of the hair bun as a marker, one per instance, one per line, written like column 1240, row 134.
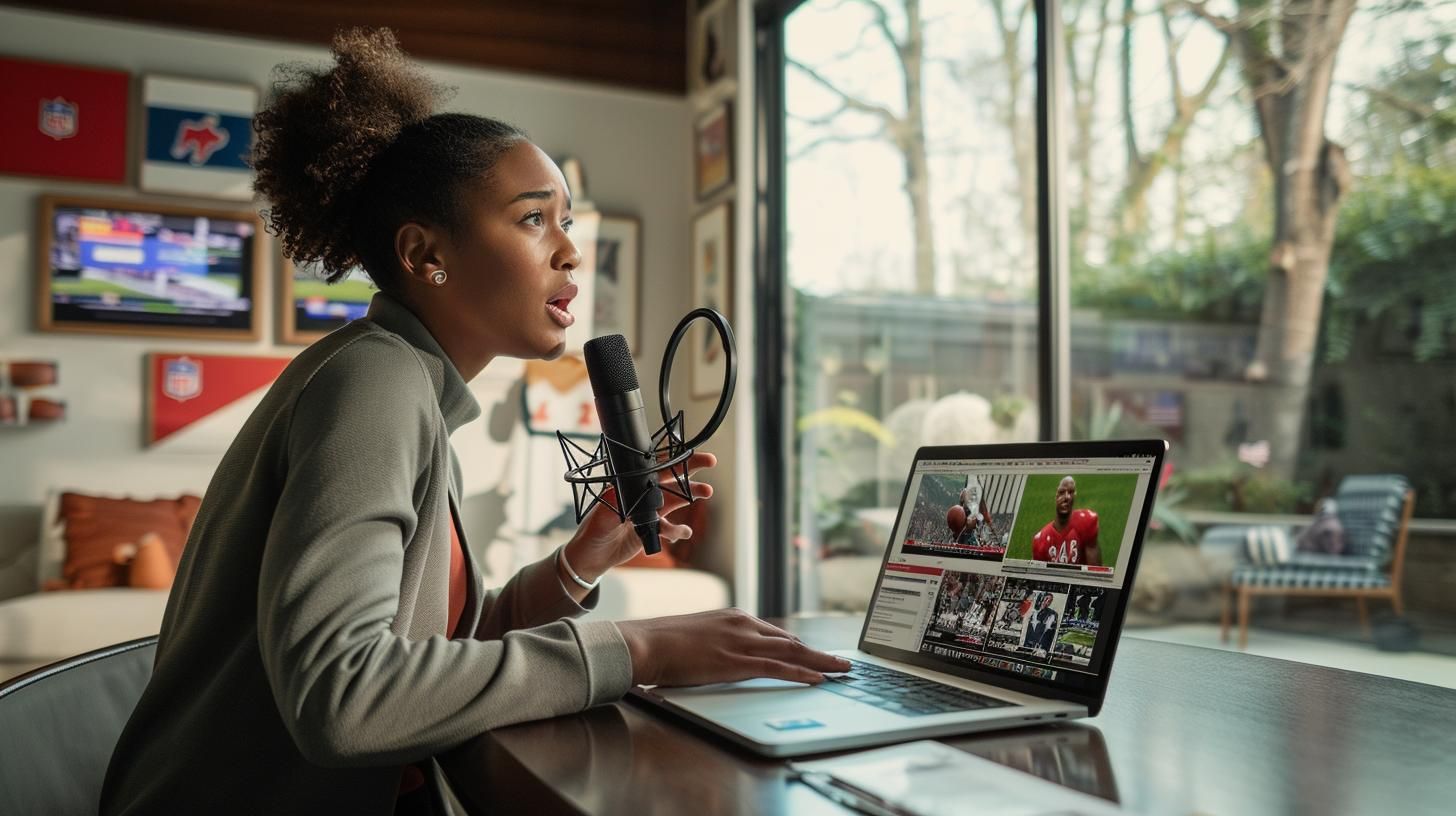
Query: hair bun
column 321, row 132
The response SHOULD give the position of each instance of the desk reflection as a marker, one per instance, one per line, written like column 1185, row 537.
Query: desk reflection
column 1074, row 756
column 621, row 759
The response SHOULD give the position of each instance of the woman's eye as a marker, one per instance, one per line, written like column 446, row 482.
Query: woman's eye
column 567, row 225
column 534, row 219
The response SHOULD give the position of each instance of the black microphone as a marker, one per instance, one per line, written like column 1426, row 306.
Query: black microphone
column 624, row 428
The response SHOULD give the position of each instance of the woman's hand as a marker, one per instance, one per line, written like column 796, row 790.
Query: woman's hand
column 720, row 647
column 603, row 541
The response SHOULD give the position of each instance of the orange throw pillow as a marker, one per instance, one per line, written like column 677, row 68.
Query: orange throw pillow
column 96, row 525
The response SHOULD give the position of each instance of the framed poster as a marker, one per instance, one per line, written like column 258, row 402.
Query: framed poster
column 63, row 121
column 619, row 274
column 713, row 150
column 712, row 265
column 196, row 137
column 310, row 307
column 114, row 266
column 197, row 403
column 714, row 52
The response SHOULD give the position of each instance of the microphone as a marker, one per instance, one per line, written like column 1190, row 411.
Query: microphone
column 629, row 446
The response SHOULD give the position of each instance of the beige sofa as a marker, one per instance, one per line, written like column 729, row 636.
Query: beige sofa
column 37, row 627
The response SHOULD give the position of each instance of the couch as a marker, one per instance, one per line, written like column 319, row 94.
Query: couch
column 40, row 627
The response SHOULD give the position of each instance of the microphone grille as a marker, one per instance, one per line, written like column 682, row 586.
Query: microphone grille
column 609, row 364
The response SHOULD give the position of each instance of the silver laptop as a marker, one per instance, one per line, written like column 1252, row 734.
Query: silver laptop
column 998, row 603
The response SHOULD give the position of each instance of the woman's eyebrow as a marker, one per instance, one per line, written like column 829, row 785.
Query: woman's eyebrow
column 543, row 195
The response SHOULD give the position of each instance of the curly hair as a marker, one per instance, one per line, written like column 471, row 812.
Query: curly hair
column 346, row 154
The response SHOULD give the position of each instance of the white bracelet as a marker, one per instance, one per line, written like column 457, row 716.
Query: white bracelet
column 561, row 559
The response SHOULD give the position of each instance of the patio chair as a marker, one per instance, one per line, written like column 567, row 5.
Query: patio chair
column 1375, row 512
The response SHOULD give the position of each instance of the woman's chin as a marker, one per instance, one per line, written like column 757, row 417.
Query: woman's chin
column 555, row 351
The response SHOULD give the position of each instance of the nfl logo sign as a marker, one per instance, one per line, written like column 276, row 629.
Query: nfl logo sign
column 59, row 118
column 182, row 379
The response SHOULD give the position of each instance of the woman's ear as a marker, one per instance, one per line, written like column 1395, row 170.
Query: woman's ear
column 417, row 248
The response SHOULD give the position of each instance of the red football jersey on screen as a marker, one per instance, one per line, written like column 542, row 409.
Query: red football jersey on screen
column 1066, row 546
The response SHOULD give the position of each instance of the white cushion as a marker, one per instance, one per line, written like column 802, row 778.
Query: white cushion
column 52, row 625
column 51, row 549
column 647, row 592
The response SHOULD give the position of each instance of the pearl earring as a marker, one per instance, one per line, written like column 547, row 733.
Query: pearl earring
column 438, row 278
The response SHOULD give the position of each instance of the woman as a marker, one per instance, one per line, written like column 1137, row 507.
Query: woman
column 327, row 632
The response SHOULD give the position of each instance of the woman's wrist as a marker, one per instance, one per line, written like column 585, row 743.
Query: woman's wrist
column 579, row 568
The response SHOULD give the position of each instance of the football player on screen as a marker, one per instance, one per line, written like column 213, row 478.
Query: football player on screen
column 1071, row 537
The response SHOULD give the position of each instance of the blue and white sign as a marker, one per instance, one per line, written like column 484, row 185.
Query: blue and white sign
column 198, row 135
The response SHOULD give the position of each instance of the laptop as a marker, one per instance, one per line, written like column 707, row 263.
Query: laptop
column 998, row 603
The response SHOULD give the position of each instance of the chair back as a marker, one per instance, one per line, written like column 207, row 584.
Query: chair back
column 60, row 723
column 1370, row 511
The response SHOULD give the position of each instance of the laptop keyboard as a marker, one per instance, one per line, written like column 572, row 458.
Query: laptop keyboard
column 904, row 693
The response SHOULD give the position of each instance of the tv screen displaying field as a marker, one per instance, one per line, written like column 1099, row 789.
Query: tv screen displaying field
column 319, row 307
column 150, row 268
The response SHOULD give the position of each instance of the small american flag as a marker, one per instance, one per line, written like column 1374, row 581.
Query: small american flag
column 1254, row 453
column 1166, row 409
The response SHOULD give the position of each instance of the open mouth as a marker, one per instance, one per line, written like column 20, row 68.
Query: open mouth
column 559, row 306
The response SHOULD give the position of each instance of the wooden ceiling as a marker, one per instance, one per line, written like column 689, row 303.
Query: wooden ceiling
column 633, row 43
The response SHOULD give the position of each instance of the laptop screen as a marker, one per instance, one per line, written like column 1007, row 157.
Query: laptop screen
column 1012, row 566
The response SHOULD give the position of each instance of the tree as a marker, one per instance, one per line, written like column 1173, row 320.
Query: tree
column 1286, row 52
column 1143, row 168
column 906, row 130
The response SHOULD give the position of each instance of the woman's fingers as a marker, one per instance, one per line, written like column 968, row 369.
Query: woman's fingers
column 669, row 531
column 672, row 501
column 793, row 650
column 780, row 670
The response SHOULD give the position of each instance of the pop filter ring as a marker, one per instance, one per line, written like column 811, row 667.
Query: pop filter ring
column 730, row 370
column 578, row 475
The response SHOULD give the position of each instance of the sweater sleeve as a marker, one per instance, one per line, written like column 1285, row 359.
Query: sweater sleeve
column 350, row 691
column 533, row 596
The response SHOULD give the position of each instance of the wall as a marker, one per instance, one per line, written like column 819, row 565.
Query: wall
column 634, row 147
column 733, row 547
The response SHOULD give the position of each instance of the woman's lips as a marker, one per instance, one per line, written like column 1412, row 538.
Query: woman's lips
column 563, row 318
column 559, row 303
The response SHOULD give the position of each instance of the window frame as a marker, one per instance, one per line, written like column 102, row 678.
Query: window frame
column 771, row 341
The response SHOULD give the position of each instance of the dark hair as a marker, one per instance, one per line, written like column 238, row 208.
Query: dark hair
column 346, row 154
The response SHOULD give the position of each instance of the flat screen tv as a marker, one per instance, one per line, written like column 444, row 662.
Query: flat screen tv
column 140, row 267
column 311, row 308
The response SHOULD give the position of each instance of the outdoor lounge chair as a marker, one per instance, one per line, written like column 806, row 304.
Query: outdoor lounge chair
column 1375, row 513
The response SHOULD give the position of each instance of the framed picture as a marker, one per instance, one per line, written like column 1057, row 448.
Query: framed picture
column 196, row 137
column 197, row 403
column 619, row 272
column 713, row 60
column 309, row 307
column 113, row 266
column 712, row 265
column 713, row 150
column 64, row 121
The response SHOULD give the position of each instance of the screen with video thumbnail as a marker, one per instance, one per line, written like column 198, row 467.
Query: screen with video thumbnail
column 320, row 307
column 1012, row 567
column 148, row 267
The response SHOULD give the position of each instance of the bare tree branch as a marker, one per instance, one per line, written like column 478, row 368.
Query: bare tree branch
column 838, row 138
column 1420, row 110
column 849, row 102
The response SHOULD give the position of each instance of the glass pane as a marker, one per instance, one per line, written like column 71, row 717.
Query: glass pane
column 1263, row 241
column 911, row 219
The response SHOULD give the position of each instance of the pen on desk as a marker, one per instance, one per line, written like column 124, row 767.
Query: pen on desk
column 826, row 786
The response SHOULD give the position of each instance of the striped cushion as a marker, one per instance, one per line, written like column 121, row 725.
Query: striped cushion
column 1267, row 544
column 1310, row 560
column 1369, row 508
column 1301, row 578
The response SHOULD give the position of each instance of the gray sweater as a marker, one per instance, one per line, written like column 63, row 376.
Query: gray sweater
column 302, row 659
